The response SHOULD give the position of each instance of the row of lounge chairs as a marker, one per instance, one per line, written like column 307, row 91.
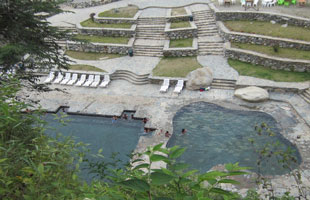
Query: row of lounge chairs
column 92, row 81
column 178, row 87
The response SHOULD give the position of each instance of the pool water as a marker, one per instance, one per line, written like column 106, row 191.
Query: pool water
column 119, row 137
column 216, row 135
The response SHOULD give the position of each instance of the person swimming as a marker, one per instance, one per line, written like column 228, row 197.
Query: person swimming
column 183, row 131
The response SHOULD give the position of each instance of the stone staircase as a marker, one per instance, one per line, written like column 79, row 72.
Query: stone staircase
column 223, row 84
column 150, row 28
column 306, row 95
column 207, row 30
column 130, row 77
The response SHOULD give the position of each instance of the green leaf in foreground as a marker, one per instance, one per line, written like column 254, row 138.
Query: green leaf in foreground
column 159, row 178
column 135, row 184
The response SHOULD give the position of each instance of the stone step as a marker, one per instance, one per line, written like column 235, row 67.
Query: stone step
column 207, row 35
column 129, row 76
column 151, row 32
column 127, row 72
column 223, row 84
column 203, row 16
column 210, row 50
column 210, row 54
column 202, row 12
column 306, row 94
column 218, row 80
column 207, row 31
column 148, row 54
column 306, row 98
column 150, row 35
column 147, row 50
column 222, row 87
column 150, row 38
column 307, row 91
column 130, row 80
column 205, row 23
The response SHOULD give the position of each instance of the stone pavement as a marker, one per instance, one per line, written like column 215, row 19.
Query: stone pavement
column 137, row 64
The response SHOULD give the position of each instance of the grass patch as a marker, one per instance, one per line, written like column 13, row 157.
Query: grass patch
column 176, row 67
column 178, row 11
column 90, row 23
column 266, row 28
column 180, row 25
column 124, row 12
column 188, row 42
column 282, row 52
column 258, row 71
column 101, row 39
column 91, row 56
column 85, row 68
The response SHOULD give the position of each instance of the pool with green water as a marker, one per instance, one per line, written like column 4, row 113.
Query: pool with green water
column 217, row 135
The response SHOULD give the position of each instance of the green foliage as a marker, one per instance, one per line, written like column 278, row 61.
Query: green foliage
column 173, row 182
column 27, row 38
column 32, row 165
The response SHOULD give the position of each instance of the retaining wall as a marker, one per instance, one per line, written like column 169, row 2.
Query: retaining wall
column 180, row 52
column 112, row 32
column 181, row 33
column 100, row 47
column 228, row 35
column 89, row 3
column 265, row 60
column 112, row 20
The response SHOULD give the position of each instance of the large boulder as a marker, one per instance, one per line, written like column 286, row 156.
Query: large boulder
column 252, row 94
column 199, row 78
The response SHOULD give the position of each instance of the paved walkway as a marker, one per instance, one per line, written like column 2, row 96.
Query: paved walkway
column 219, row 66
column 136, row 64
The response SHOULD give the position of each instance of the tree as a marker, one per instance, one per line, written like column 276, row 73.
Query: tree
column 27, row 41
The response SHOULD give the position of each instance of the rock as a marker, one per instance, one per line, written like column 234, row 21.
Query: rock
column 199, row 78
column 252, row 94
column 273, row 22
column 284, row 25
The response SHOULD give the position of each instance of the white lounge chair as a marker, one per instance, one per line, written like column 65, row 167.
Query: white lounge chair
column 50, row 77
column 221, row 2
column 165, row 86
column 255, row 3
column 73, row 79
column 179, row 86
column 81, row 81
column 96, row 81
column 89, row 81
column 59, row 78
column 106, row 81
column 66, row 79
column 273, row 3
column 242, row 2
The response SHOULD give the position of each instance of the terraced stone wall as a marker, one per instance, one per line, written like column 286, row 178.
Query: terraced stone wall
column 228, row 35
column 86, row 4
column 181, row 33
column 100, row 47
column 262, row 16
column 267, row 61
column 180, row 52
column 111, row 20
column 110, row 32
